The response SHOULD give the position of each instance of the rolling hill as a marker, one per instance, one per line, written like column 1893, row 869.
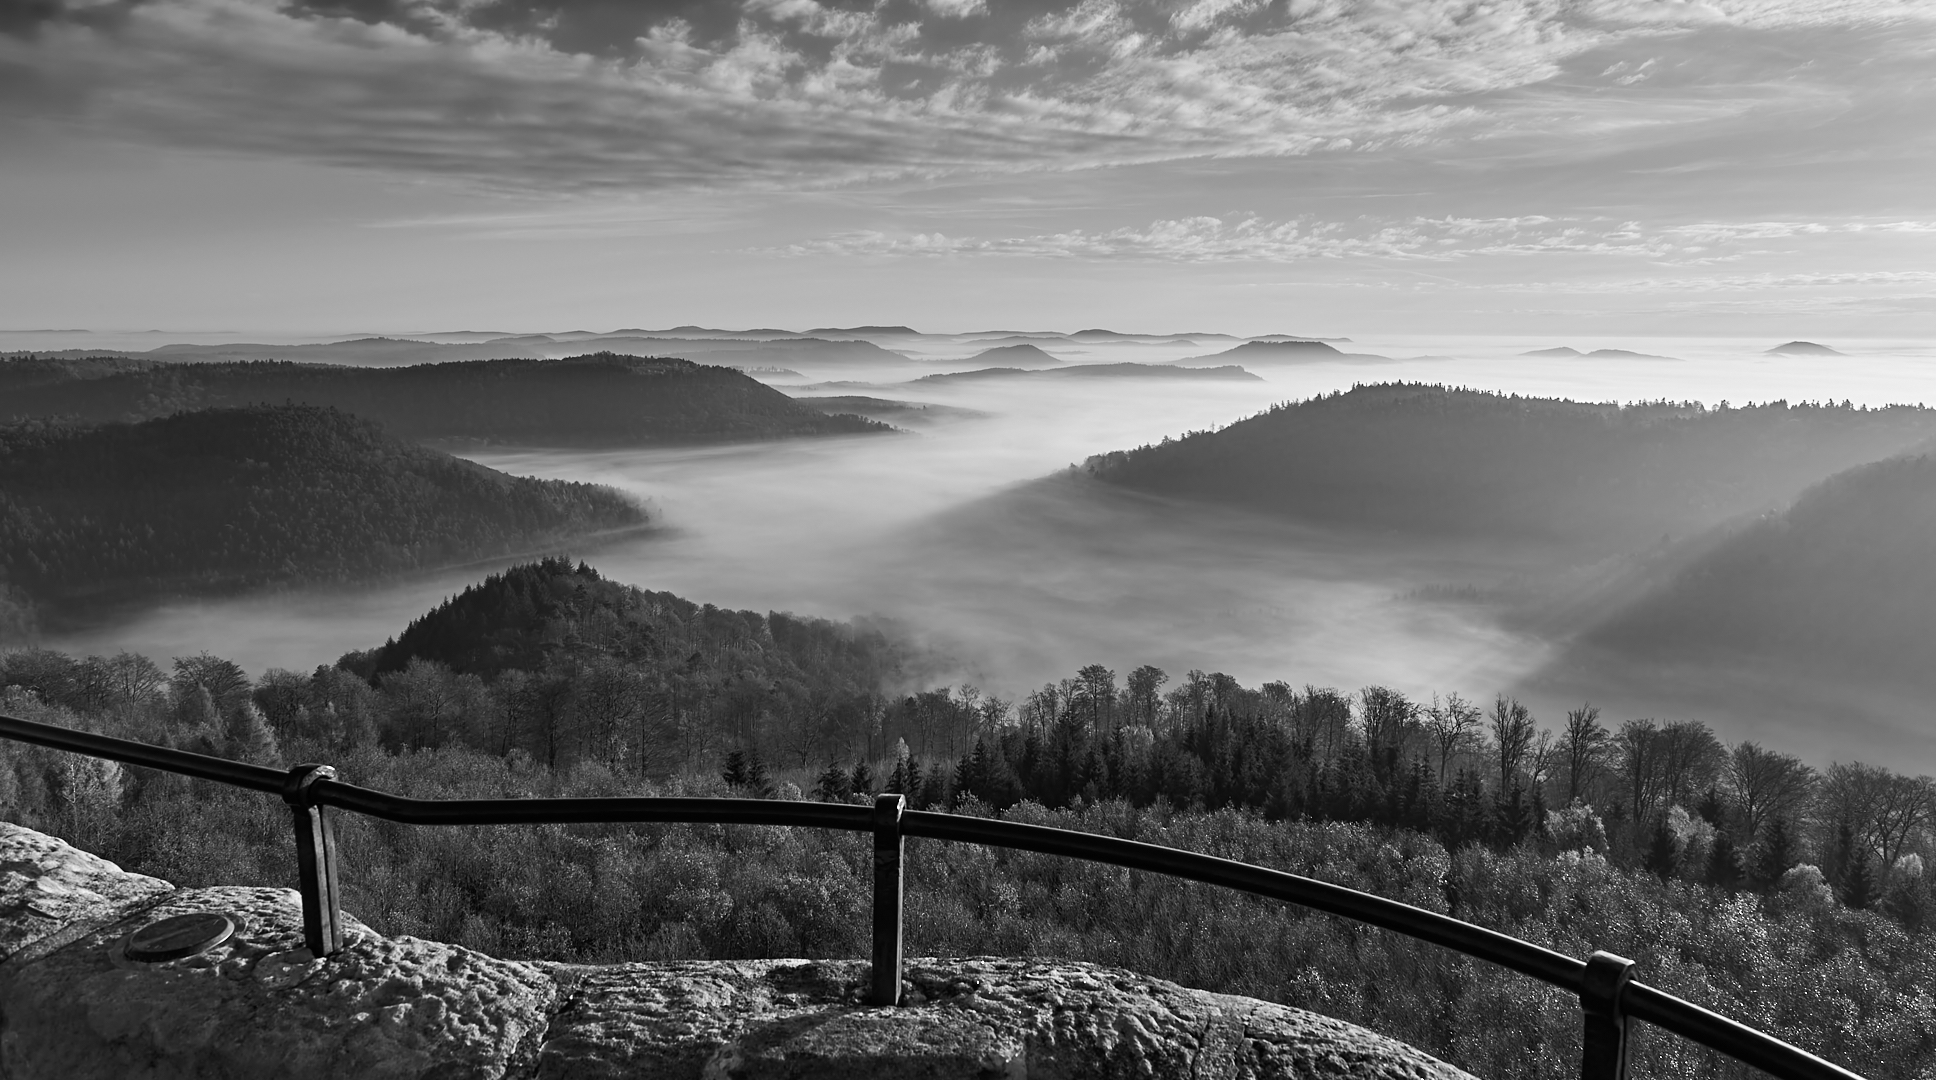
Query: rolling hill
column 1843, row 582
column 1268, row 354
column 1019, row 355
column 1428, row 461
column 601, row 399
column 220, row 500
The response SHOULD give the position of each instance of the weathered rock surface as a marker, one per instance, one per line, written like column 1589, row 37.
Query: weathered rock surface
column 72, row 1005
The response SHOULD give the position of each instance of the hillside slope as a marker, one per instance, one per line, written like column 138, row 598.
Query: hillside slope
column 1429, row 461
column 224, row 499
column 601, row 399
column 532, row 615
column 1842, row 582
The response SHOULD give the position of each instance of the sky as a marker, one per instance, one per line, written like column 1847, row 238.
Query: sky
column 1329, row 167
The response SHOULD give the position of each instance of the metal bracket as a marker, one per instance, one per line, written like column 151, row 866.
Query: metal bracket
column 1603, row 1050
column 888, row 847
column 315, row 860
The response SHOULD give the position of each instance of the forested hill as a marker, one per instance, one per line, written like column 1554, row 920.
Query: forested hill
column 222, row 499
column 1410, row 459
column 1843, row 582
column 601, row 399
column 18, row 373
column 579, row 665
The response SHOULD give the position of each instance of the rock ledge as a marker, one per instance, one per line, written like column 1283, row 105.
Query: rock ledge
column 72, row 1005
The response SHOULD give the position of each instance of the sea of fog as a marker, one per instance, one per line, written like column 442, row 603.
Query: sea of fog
column 961, row 530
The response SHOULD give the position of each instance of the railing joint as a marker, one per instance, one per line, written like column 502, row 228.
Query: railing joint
column 1603, row 1048
column 316, row 863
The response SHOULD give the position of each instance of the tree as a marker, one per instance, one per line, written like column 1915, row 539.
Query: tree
column 1663, row 850
column 833, row 785
column 735, row 773
column 1145, row 686
column 1764, row 785
column 1582, row 750
column 1859, row 885
column 861, row 782
column 1096, row 690
column 1451, row 727
column 1513, row 731
column 1723, row 862
column 1775, row 854
column 1884, row 809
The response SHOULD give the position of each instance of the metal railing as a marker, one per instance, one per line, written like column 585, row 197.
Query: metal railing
column 1609, row 995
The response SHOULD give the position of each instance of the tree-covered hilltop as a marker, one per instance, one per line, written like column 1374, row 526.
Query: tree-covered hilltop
column 568, row 666
column 223, row 499
column 1432, row 461
column 20, row 372
column 601, row 399
column 1841, row 583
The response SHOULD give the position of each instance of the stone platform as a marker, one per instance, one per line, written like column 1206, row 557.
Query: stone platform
column 74, row 1006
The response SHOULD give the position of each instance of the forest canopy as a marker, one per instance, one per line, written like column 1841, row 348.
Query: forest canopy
column 224, row 499
column 600, row 399
column 1432, row 461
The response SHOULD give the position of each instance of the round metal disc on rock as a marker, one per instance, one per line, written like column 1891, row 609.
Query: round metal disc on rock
column 182, row 935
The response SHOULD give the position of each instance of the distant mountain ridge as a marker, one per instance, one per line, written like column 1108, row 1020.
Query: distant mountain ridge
column 600, row 399
column 1271, row 353
column 1434, row 461
column 220, row 500
column 1090, row 371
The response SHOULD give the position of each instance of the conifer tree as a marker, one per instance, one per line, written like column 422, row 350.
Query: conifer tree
column 1663, row 851
column 735, row 773
column 1859, row 884
column 862, row 780
column 1775, row 854
column 833, row 784
column 1723, row 862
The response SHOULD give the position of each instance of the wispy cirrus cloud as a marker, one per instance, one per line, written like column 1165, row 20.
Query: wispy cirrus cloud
column 1204, row 239
column 561, row 96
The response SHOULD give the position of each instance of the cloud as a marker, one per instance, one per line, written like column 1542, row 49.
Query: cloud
column 1206, row 239
column 559, row 96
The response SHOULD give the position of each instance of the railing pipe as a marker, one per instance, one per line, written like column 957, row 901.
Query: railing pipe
column 620, row 809
column 1524, row 957
column 1730, row 1037
column 128, row 752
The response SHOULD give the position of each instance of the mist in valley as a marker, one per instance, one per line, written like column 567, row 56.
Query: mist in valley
column 969, row 530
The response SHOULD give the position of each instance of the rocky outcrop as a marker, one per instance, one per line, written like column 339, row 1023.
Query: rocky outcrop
column 74, row 1005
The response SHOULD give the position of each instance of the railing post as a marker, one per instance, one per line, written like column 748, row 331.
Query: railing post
column 888, row 847
column 1603, row 1050
column 315, row 860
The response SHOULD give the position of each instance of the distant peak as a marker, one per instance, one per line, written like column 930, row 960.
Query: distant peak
column 1803, row 348
column 1562, row 350
column 909, row 331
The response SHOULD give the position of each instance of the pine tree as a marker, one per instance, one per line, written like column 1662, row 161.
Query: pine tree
column 758, row 782
column 1663, row 851
column 1859, row 885
column 833, row 784
column 862, row 780
column 735, row 773
column 1723, row 862
column 249, row 738
column 1512, row 817
column 1775, row 854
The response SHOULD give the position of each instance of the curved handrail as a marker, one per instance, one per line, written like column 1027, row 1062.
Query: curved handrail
column 308, row 787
